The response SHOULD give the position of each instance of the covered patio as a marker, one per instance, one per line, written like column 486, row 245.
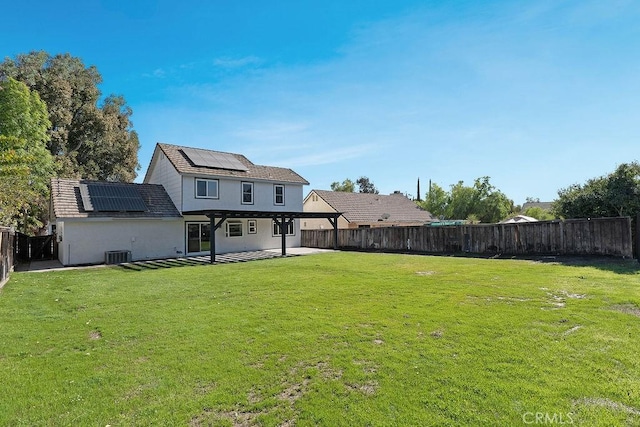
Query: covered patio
column 282, row 219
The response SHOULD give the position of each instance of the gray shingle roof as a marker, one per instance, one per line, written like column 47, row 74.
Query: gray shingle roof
column 184, row 165
column 67, row 201
column 369, row 208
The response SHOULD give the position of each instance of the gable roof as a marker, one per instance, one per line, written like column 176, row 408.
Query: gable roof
column 518, row 218
column 370, row 208
column 185, row 166
column 67, row 200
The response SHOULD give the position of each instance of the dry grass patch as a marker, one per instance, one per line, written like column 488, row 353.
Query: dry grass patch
column 632, row 309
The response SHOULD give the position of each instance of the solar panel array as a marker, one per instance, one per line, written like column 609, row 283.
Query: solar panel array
column 111, row 197
column 213, row 159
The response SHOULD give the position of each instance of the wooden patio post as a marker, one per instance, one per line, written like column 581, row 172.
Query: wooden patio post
column 212, row 240
column 283, row 234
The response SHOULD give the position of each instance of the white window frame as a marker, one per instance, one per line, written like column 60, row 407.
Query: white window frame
column 252, row 226
column 232, row 228
column 291, row 231
column 203, row 244
column 207, row 181
column 242, row 192
column 275, row 194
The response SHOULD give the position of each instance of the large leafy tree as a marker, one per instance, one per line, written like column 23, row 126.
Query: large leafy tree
column 366, row 186
column 539, row 213
column 481, row 202
column 25, row 163
column 616, row 194
column 346, row 186
column 87, row 140
column 436, row 200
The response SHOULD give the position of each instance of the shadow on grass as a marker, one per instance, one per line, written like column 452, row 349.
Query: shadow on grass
column 608, row 263
column 160, row 264
column 201, row 260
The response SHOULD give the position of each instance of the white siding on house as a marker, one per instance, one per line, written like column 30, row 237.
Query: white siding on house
column 230, row 196
column 262, row 239
column 84, row 241
column 162, row 172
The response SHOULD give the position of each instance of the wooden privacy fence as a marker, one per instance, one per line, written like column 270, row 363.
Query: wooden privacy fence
column 7, row 242
column 596, row 236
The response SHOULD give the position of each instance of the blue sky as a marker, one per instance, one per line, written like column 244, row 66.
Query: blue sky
column 537, row 95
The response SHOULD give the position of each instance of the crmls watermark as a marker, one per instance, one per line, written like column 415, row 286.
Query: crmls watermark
column 547, row 418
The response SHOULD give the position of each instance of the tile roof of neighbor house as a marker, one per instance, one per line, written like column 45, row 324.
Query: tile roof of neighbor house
column 67, row 200
column 369, row 208
column 184, row 165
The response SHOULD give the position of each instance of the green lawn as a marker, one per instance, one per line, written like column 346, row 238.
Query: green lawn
column 332, row 339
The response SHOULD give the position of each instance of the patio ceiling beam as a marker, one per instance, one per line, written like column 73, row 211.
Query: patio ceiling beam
column 282, row 219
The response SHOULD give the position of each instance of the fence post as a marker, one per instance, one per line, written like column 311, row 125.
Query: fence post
column 636, row 250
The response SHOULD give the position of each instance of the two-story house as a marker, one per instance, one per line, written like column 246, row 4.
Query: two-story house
column 205, row 202
column 204, row 184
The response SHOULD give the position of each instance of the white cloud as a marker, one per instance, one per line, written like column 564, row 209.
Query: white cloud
column 158, row 73
column 325, row 157
column 271, row 131
column 228, row 62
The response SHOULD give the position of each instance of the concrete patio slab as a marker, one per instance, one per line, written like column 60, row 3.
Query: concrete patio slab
column 53, row 265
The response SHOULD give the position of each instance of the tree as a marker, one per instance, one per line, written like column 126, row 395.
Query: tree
column 366, row 186
column 86, row 140
column 480, row 203
column 539, row 213
column 346, row 186
column 25, row 163
column 436, row 201
column 616, row 194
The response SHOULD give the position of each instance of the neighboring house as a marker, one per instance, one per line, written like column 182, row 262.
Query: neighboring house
column 364, row 210
column 91, row 218
column 518, row 218
column 192, row 202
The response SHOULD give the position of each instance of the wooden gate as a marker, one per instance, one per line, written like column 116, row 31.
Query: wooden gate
column 36, row 248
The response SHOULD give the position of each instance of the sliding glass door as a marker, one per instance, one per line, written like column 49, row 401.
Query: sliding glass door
column 198, row 235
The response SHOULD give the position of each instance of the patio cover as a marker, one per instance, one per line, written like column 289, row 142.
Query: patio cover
column 283, row 219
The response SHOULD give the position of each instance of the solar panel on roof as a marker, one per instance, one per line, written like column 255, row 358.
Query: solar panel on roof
column 213, row 159
column 111, row 198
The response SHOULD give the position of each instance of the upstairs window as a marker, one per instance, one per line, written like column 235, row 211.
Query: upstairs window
column 247, row 193
column 206, row 188
column 278, row 195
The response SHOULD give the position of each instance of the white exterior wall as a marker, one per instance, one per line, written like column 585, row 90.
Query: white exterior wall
column 230, row 196
column 163, row 173
column 263, row 239
column 84, row 241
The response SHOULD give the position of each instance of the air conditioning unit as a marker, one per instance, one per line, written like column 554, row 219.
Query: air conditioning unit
column 117, row 257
